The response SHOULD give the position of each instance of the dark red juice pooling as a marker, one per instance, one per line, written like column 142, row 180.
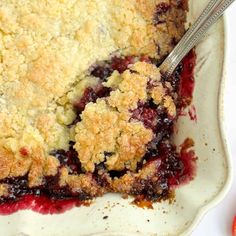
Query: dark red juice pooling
column 188, row 160
column 40, row 204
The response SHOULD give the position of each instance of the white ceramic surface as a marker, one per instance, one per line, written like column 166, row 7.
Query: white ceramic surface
column 192, row 201
column 218, row 221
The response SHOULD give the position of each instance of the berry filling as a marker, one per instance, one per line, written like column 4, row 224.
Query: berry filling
column 171, row 168
column 91, row 95
column 155, row 118
column 103, row 70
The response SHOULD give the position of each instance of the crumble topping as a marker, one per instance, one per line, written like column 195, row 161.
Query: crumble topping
column 170, row 106
column 131, row 89
column 80, row 183
column 105, row 126
column 6, row 160
column 51, row 166
column 147, row 69
column 3, row 190
column 47, row 51
column 126, row 183
column 158, row 94
column 103, row 130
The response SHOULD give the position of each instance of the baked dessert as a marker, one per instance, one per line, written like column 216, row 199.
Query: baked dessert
column 84, row 109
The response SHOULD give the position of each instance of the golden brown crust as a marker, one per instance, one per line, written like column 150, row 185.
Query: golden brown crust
column 3, row 190
column 35, row 174
column 46, row 48
column 105, row 126
column 82, row 183
column 123, row 184
column 102, row 130
column 158, row 93
column 20, row 166
column 170, row 106
column 148, row 70
column 6, row 160
column 132, row 89
column 126, row 183
column 51, row 166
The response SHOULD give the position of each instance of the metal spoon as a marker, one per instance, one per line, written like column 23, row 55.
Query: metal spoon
column 209, row 16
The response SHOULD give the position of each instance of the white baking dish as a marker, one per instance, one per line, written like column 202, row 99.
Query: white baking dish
column 192, row 201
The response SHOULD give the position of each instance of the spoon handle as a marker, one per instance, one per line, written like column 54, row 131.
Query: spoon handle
column 209, row 16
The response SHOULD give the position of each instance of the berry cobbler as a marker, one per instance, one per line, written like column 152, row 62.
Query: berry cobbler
column 84, row 109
